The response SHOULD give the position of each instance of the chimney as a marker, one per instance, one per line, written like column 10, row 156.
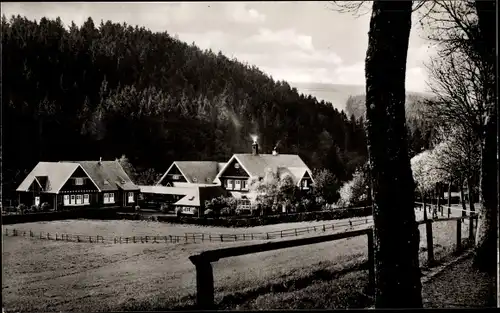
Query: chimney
column 255, row 148
column 100, row 160
column 275, row 152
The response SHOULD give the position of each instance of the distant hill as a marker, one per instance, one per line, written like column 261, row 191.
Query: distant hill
column 414, row 106
column 339, row 95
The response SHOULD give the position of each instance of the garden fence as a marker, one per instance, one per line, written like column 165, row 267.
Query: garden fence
column 193, row 237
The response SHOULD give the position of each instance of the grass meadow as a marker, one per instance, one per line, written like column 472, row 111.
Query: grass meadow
column 46, row 275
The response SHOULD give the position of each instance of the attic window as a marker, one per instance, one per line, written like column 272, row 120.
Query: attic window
column 175, row 176
column 208, row 179
column 106, row 182
column 195, row 179
column 236, row 165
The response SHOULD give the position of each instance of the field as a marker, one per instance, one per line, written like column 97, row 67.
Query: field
column 45, row 275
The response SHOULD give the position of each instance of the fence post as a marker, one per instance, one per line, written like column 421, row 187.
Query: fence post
column 209, row 237
column 90, row 239
column 204, row 284
column 371, row 262
column 449, row 211
column 267, row 235
column 126, row 240
column 471, row 229
column 202, row 237
column 78, row 238
column 295, row 231
column 221, row 240
column 252, row 235
column 186, row 237
column 133, row 239
column 56, row 236
column 459, row 235
column 430, row 245
column 281, row 234
column 324, row 229
column 114, row 239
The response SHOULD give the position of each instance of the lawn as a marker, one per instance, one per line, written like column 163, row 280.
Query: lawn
column 45, row 275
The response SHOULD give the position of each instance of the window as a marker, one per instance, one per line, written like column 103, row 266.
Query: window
column 79, row 199
column 130, row 197
column 37, row 200
column 175, row 177
column 78, row 181
column 304, row 184
column 225, row 183
column 86, row 199
column 230, row 184
column 243, row 184
column 72, row 200
column 106, row 198
column 237, row 184
column 111, row 198
column 236, row 165
column 66, row 199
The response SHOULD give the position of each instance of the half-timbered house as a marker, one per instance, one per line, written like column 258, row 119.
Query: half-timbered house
column 78, row 184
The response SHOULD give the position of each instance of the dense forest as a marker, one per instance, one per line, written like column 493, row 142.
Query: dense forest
column 80, row 93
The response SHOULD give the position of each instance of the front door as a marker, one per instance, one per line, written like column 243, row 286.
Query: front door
column 37, row 201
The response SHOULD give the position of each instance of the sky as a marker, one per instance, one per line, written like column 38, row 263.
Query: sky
column 300, row 42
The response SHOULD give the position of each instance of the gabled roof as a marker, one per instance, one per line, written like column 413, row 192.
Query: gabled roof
column 193, row 194
column 256, row 165
column 107, row 175
column 196, row 172
column 57, row 174
column 51, row 176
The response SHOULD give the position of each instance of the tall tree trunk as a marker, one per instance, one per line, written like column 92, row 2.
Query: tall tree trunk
column 462, row 199
column 449, row 198
column 397, row 275
column 470, row 187
column 486, row 235
column 423, row 205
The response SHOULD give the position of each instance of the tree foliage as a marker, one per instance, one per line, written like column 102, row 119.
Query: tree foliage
column 108, row 89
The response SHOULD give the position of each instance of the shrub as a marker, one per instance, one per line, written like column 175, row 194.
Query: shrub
column 45, row 207
column 137, row 208
column 34, row 208
column 195, row 212
column 240, row 210
column 226, row 211
column 21, row 208
column 209, row 213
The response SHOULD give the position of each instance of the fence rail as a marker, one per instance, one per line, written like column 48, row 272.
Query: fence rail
column 204, row 272
column 192, row 237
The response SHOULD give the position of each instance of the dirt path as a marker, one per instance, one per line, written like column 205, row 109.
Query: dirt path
column 460, row 286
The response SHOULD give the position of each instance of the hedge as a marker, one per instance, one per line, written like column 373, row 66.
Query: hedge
column 253, row 221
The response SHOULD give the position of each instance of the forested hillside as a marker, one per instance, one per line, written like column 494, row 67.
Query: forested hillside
column 104, row 91
column 420, row 130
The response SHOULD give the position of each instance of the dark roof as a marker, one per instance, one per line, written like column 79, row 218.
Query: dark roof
column 201, row 172
column 256, row 165
column 108, row 175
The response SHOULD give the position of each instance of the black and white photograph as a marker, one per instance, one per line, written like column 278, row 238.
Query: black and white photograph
column 242, row 156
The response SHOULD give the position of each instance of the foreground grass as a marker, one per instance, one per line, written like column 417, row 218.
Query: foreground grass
column 41, row 275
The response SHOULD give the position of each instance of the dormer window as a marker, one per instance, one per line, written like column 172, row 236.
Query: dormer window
column 106, row 182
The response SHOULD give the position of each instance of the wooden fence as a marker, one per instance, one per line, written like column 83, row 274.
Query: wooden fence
column 204, row 273
column 193, row 237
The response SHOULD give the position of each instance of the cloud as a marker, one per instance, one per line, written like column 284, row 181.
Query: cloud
column 285, row 37
column 215, row 40
column 239, row 12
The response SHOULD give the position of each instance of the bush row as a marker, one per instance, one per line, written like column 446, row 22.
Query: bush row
column 88, row 213
column 252, row 221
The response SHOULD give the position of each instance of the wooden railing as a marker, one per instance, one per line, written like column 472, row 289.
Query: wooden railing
column 430, row 241
column 204, row 272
